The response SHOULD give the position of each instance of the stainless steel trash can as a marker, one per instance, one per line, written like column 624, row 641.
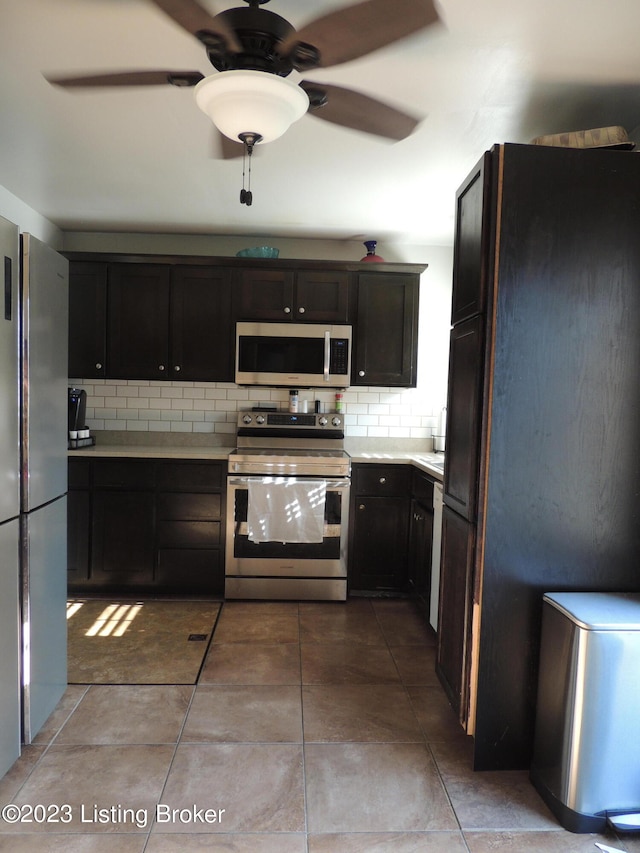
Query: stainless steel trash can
column 586, row 760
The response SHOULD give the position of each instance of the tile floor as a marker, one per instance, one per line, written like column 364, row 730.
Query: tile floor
column 314, row 728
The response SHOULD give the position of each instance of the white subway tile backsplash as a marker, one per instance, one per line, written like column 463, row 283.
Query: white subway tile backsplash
column 171, row 390
column 194, row 393
column 368, row 420
column 399, row 432
column 211, row 407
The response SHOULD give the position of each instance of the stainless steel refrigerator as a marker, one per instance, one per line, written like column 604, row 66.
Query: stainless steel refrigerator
column 43, row 518
column 9, row 499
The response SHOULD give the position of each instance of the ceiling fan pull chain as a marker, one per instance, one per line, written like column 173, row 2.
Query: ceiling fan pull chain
column 249, row 195
column 249, row 140
column 243, row 192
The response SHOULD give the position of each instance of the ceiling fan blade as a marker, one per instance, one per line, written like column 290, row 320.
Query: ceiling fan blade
column 357, row 111
column 194, row 19
column 356, row 30
column 130, row 78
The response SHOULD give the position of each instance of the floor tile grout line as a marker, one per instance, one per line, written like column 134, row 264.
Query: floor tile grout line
column 305, row 798
column 171, row 762
column 210, row 643
column 445, row 790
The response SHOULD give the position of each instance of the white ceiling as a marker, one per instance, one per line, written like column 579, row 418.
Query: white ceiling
column 141, row 159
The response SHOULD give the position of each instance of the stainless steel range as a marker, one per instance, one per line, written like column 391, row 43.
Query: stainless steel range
column 288, row 508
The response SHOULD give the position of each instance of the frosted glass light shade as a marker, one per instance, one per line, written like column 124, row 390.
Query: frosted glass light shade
column 251, row 102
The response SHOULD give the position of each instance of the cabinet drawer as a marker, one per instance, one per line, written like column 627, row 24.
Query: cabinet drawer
column 188, row 507
column 189, row 534
column 124, row 473
column 422, row 488
column 382, row 479
column 190, row 476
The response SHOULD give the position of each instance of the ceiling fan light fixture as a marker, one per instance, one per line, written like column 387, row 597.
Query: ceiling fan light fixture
column 245, row 101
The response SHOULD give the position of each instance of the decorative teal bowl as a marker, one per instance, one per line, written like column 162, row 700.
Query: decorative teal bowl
column 258, row 252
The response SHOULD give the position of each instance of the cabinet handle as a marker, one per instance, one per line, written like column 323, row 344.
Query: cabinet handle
column 98, row 366
column 287, row 310
column 361, row 506
column 383, row 480
column 300, row 310
column 177, row 368
column 161, row 367
column 361, row 373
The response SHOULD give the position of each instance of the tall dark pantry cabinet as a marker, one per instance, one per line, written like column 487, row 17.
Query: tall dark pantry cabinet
column 542, row 478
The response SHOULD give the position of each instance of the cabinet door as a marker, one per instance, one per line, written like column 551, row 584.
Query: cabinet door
column 387, row 330
column 421, row 539
column 464, row 417
column 454, row 610
column 379, row 544
column 471, row 244
column 87, row 320
column 200, row 324
column 420, row 545
column 322, row 296
column 138, row 330
column 123, row 548
column 263, row 294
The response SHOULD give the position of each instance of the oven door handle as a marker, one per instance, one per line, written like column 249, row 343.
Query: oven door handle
column 327, row 355
column 333, row 485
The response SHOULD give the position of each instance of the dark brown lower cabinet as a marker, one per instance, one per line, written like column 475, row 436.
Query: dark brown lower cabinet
column 122, row 540
column 188, row 542
column 152, row 526
column 421, row 540
column 454, row 609
column 378, row 554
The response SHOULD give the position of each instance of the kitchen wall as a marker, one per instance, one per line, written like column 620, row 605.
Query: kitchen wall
column 211, row 408
column 29, row 220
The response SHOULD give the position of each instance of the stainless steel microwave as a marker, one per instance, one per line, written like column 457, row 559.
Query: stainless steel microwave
column 312, row 355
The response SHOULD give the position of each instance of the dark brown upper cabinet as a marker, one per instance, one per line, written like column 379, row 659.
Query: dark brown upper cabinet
column 88, row 320
column 386, row 342
column 150, row 321
column 470, row 244
column 200, row 339
column 138, row 321
column 305, row 296
column 172, row 316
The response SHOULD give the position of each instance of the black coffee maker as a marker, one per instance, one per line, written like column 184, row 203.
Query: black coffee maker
column 77, row 409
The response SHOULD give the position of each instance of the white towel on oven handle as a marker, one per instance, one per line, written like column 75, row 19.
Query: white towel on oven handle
column 286, row 509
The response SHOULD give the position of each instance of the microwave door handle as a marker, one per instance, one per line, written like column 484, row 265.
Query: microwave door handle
column 327, row 355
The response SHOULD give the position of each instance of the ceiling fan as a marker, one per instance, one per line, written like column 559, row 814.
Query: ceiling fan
column 253, row 50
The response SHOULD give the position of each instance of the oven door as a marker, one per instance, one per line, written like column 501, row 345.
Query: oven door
column 325, row 559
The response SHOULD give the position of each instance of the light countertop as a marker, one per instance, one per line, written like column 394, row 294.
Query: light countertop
column 430, row 463
column 160, row 451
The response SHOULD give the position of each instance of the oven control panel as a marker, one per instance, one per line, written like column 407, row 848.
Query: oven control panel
column 290, row 421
